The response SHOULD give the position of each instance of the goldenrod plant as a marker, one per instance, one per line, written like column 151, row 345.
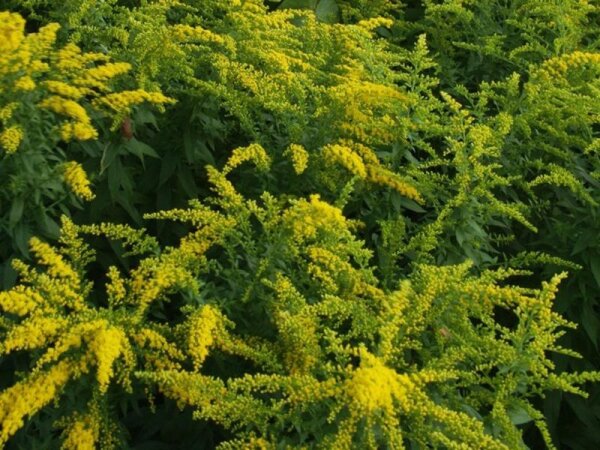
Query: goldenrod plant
column 49, row 96
column 327, row 358
column 300, row 224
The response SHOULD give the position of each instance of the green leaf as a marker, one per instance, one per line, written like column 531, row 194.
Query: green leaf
column 298, row 4
column 518, row 415
column 595, row 266
column 140, row 149
column 21, row 237
column 16, row 211
column 591, row 323
column 328, row 11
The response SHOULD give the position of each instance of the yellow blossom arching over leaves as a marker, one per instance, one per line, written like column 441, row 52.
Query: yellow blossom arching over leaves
column 12, row 27
column 76, row 178
column 254, row 152
column 203, row 325
column 55, row 262
column 107, row 344
column 299, row 157
column 82, row 434
column 27, row 397
column 10, row 138
column 375, row 386
column 25, row 83
column 363, row 163
column 306, row 218
column 346, row 157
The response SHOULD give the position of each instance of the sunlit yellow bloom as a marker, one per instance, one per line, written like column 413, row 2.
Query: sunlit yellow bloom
column 30, row 395
column 11, row 138
column 201, row 336
column 6, row 112
column 66, row 107
column 25, row 83
column 19, row 300
column 107, row 345
column 374, row 386
column 77, row 130
column 65, row 90
column 77, row 180
column 124, row 100
column 48, row 256
column 254, row 152
column 82, row 434
column 12, row 27
column 346, row 157
column 299, row 157
column 306, row 218
column 32, row 333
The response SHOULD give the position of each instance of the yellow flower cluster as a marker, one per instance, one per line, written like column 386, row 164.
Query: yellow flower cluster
column 185, row 33
column 10, row 138
column 374, row 386
column 34, row 332
column 557, row 67
column 30, row 395
column 203, row 325
column 11, row 31
column 107, row 345
column 121, row 102
column 57, row 266
column 82, row 434
column 362, row 162
column 380, row 175
column 299, row 157
column 25, row 83
column 254, row 152
column 167, row 354
column 306, row 218
column 76, row 178
column 29, row 65
column 20, row 301
column 6, row 111
column 81, row 128
column 346, row 157
column 66, row 90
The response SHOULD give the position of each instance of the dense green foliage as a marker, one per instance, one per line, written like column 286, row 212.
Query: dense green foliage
column 371, row 207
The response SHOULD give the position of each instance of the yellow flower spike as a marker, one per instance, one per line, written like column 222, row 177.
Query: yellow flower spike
column 77, row 130
column 305, row 218
column 12, row 27
column 115, row 288
column 299, row 157
column 105, row 72
column 20, row 301
column 27, row 397
column 82, row 434
column 374, row 386
column 254, row 152
column 202, row 326
column 380, row 175
column 6, row 112
column 46, row 255
column 121, row 102
column 223, row 187
column 107, row 345
column 66, row 107
column 32, row 333
column 346, row 157
column 25, row 83
column 10, row 138
column 76, row 178
column 65, row 90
